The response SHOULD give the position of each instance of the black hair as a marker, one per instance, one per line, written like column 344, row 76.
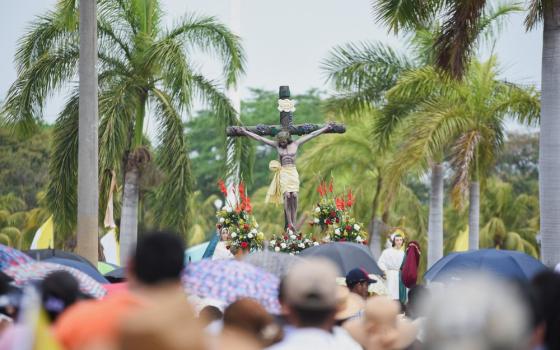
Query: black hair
column 395, row 237
column 311, row 317
column 59, row 290
column 159, row 257
column 546, row 286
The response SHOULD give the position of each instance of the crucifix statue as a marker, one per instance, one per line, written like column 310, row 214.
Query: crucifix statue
column 285, row 184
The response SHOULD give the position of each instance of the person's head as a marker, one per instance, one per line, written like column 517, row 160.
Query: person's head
column 159, row 258
column 309, row 293
column 381, row 328
column 224, row 234
column 284, row 138
column 477, row 312
column 59, row 290
column 209, row 314
column 416, row 296
column 397, row 240
column 546, row 286
column 358, row 281
column 250, row 318
column 349, row 305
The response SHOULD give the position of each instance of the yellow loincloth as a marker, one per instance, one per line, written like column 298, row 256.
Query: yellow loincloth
column 286, row 179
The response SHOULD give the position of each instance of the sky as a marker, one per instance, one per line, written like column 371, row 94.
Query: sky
column 285, row 41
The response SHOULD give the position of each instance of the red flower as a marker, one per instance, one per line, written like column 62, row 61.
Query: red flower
column 218, row 226
column 244, row 244
column 333, row 213
column 222, row 186
column 351, row 199
column 328, row 222
column 322, row 190
column 246, row 227
column 348, row 228
column 365, row 241
column 340, row 205
column 343, row 239
column 331, row 186
column 337, row 220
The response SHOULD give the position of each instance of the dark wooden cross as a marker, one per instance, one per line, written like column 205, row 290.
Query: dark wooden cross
column 286, row 123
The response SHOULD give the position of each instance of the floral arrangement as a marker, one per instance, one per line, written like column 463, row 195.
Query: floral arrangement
column 291, row 242
column 332, row 214
column 239, row 221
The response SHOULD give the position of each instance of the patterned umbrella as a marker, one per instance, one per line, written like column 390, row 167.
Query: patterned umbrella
column 277, row 264
column 229, row 280
column 36, row 271
column 11, row 257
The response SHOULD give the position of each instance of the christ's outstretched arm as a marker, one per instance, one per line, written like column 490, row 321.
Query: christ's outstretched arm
column 259, row 138
column 312, row 135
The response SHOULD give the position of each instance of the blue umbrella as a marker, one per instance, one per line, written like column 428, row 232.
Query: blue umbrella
column 80, row 266
column 195, row 253
column 507, row 264
column 345, row 255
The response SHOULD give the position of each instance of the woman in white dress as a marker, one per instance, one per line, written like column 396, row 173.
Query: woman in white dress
column 222, row 252
column 390, row 262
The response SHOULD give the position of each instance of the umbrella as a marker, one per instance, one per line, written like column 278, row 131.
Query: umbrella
column 44, row 254
column 277, row 264
column 36, row 271
column 345, row 255
column 117, row 275
column 228, row 280
column 501, row 263
column 105, row 267
column 195, row 253
column 78, row 265
column 10, row 257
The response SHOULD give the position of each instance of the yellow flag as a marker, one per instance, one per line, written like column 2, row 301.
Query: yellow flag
column 44, row 237
column 462, row 241
column 44, row 339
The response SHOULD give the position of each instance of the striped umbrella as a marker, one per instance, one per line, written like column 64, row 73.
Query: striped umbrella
column 36, row 271
column 12, row 257
column 228, row 280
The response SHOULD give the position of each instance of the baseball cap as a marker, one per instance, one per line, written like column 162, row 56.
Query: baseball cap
column 357, row 275
column 311, row 284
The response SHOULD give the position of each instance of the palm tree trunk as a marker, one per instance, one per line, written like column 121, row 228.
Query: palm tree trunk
column 549, row 157
column 129, row 212
column 375, row 224
column 88, row 182
column 474, row 214
column 435, row 221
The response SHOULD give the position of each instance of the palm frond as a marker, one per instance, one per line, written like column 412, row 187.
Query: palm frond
column 173, row 160
column 63, row 169
column 400, row 15
column 363, row 72
column 27, row 95
column 207, row 34
column 535, row 13
column 463, row 153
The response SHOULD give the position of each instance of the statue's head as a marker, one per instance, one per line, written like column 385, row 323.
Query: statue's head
column 284, row 138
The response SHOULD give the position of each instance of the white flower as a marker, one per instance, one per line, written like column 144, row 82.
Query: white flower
column 254, row 231
column 283, row 245
column 337, row 232
column 356, row 227
column 293, row 237
column 233, row 235
column 286, row 105
column 291, row 253
column 222, row 220
column 317, row 210
column 229, row 210
column 301, row 245
column 316, row 220
column 224, row 208
column 250, row 235
column 277, row 249
column 307, row 240
column 359, row 239
column 272, row 243
column 315, row 243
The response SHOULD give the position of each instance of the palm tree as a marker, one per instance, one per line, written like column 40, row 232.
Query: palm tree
column 144, row 69
column 453, row 49
column 465, row 117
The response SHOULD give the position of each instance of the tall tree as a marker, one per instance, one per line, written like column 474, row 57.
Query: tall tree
column 141, row 64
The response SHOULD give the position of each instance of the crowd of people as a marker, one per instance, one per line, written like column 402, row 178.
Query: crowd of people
column 153, row 312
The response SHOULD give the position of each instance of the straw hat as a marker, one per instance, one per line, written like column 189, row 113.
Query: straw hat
column 378, row 329
column 349, row 304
